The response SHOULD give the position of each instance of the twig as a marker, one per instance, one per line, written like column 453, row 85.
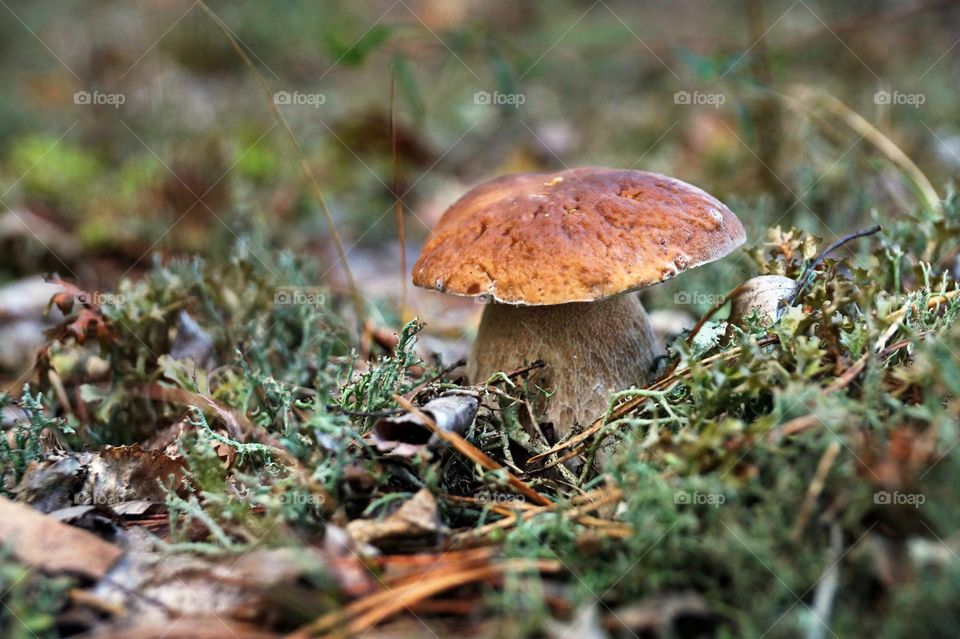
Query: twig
column 526, row 369
column 827, row 585
column 388, row 412
column 814, row 489
column 371, row 610
column 706, row 316
column 473, row 453
column 800, row 424
column 449, row 369
column 805, row 278
column 238, row 425
column 581, row 506
column 401, row 236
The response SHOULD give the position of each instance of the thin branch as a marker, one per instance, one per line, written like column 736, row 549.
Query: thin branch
column 473, row 453
column 805, row 278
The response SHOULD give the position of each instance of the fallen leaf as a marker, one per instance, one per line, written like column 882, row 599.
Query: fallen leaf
column 42, row 541
column 416, row 521
column 115, row 475
column 406, row 435
column 275, row 586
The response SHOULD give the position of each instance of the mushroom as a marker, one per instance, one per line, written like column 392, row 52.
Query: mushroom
column 558, row 257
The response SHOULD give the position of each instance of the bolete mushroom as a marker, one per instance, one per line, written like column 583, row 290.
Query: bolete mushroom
column 558, row 255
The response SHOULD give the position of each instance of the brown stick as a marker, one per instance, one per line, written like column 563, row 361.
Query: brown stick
column 389, row 602
column 582, row 505
column 401, row 236
column 473, row 453
column 814, row 490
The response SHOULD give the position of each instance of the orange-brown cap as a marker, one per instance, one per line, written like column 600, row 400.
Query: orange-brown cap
column 574, row 236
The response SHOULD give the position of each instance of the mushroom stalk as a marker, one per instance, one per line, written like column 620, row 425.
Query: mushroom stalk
column 590, row 349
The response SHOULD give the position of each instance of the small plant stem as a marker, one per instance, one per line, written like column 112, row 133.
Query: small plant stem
column 805, row 278
column 473, row 453
column 401, row 236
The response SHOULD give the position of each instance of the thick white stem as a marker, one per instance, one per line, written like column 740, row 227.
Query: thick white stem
column 590, row 349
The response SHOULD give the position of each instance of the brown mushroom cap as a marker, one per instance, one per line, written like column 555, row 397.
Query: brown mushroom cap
column 574, row 236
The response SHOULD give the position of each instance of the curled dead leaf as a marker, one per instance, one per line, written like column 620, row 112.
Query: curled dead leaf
column 406, row 435
column 765, row 293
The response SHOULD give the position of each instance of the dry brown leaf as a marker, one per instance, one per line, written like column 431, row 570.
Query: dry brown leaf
column 39, row 540
column 416, row 520
column 115, row 475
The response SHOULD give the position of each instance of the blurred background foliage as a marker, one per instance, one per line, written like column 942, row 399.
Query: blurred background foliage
column 193, row 159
